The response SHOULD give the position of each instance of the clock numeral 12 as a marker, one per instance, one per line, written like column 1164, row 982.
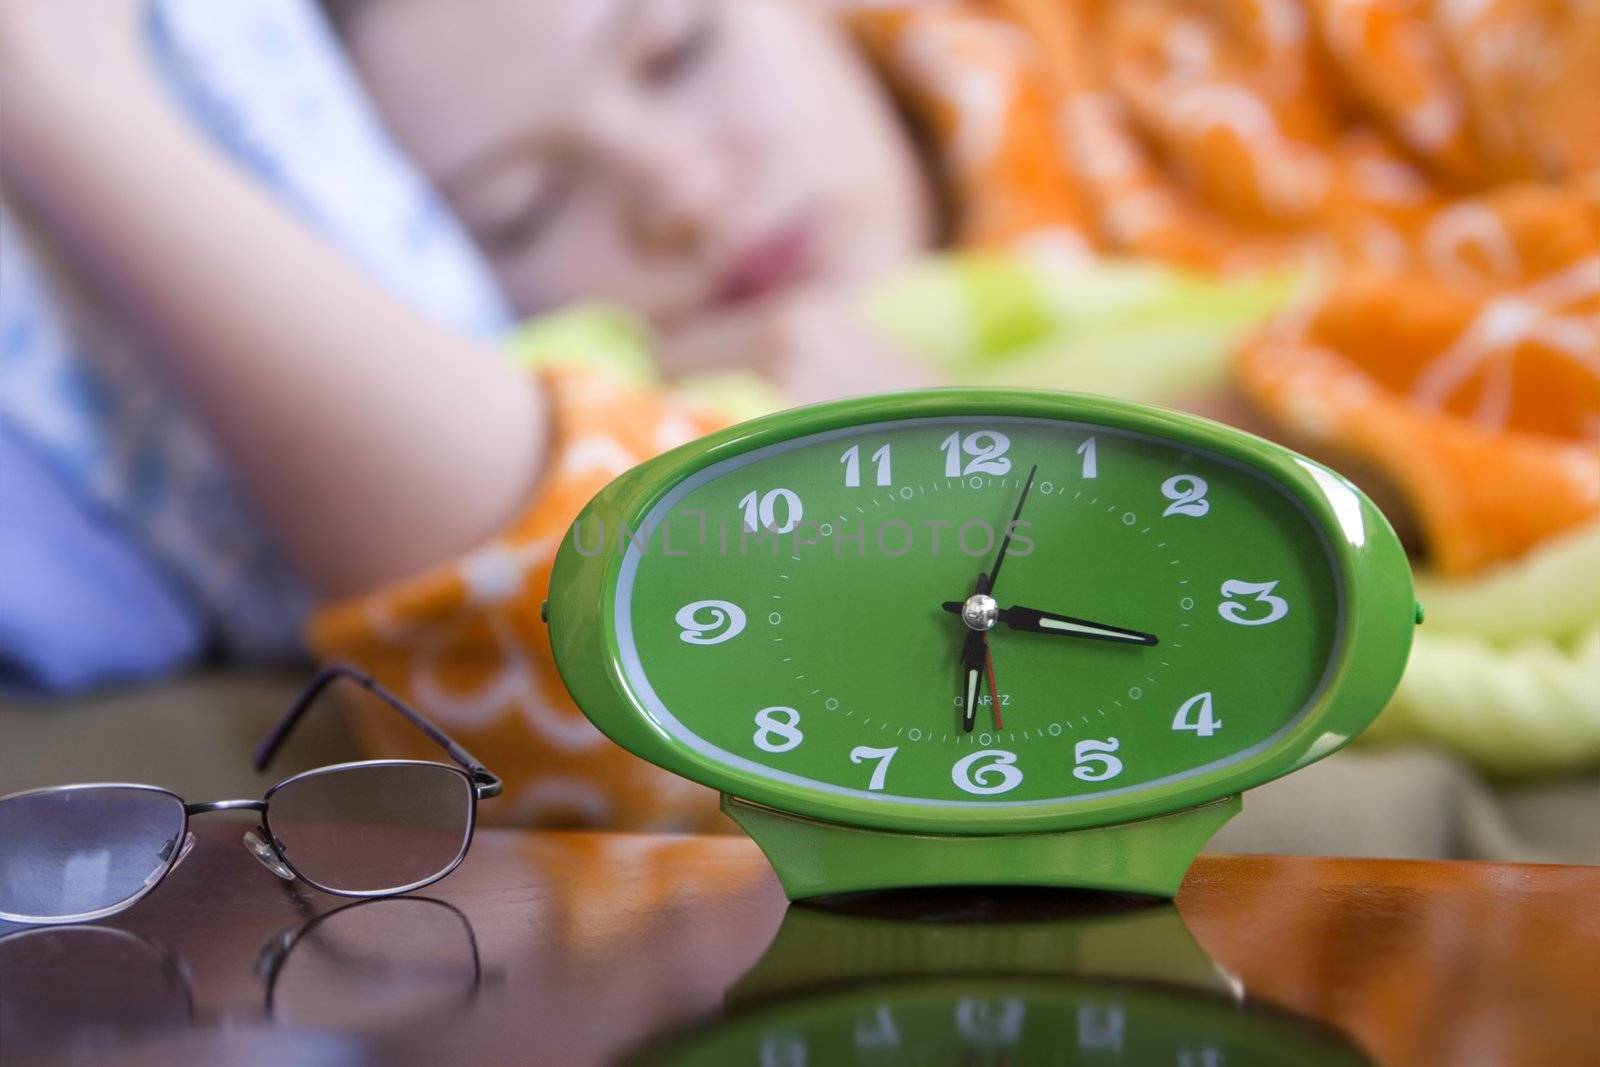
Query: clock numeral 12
column 852, row 466
column 882, row 755
column 987, row 449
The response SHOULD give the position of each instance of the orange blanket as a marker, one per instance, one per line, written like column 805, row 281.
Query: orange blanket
column 1440, row 162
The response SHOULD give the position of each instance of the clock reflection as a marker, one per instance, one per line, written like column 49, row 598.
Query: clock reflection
column 1001, row 980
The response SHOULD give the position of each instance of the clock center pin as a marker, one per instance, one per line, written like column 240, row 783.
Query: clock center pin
column 980, row 612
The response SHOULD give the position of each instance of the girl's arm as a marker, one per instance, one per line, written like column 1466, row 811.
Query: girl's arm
column 373, row 441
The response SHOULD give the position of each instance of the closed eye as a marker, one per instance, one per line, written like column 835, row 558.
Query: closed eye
column 677, row 56
column 527, row 223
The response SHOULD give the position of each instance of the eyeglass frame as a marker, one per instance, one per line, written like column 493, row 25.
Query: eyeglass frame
column 482, row 784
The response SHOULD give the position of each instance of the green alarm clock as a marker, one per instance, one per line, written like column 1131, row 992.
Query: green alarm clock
column 981, row 637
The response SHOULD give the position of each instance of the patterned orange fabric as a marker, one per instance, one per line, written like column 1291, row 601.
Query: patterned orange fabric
column 1439, row 161
column 465, row 642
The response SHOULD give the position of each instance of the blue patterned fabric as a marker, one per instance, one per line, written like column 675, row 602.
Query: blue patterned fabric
column 266, row 82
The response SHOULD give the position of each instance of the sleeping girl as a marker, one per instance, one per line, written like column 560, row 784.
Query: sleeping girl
column 738, row 173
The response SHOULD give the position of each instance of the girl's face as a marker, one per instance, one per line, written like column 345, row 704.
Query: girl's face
column 684, row 157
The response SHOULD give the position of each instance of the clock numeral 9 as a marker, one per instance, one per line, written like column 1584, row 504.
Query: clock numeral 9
column 781, row 723
column 1238, row 613
column 852, row 466
column 987, row 449
column 882, row 755
column 998, row 775
column 1188, row 495
column 1203, row 722
column 709, row 622
column 1095, row 762
column 761, row 510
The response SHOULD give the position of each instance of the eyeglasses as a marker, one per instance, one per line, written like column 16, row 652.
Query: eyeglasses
column 374, row 828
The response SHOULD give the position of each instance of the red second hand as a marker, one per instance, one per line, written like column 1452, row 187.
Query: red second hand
column 994, row 690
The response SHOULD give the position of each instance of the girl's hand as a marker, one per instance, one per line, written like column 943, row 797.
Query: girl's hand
column 811, row 345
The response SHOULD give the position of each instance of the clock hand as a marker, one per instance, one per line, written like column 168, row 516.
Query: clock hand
column 975, row 649
column 986, row 584
column 974, row 653
column 994, row 687
column 1032, row 620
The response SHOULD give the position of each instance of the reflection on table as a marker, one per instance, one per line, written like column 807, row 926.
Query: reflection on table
column 1002, row 978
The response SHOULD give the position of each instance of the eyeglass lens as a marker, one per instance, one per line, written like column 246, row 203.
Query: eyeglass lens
column 76, row 852
column 373, row 828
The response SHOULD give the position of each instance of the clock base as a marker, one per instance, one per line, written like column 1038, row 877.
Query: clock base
column 816, row 858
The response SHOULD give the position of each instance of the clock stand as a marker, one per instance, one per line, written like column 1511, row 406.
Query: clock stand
column 816, row 858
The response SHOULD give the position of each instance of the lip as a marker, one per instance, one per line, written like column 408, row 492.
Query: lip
column 776, row 260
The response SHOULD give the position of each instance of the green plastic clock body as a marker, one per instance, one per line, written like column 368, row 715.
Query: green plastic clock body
column 1184, row 611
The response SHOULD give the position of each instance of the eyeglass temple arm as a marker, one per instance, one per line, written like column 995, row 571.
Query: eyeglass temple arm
column 484, row 780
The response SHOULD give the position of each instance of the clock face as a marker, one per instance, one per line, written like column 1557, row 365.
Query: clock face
column 977, row 619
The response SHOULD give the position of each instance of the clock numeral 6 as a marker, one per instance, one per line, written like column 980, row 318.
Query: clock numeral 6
column 1094, row 759
column 709, row 622
column 761, row 510
column 987, row 449
column 1188, row 495
column 882, row 755
column 852, row 466
column 781, row 723
column 1238, row 613
column 998, row 775
column 1203, row 723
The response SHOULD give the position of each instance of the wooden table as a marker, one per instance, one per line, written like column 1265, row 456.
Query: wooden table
column 583, row 948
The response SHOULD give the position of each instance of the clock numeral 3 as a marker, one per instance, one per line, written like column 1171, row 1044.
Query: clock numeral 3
column 987, row 449
column 1094, row 759
column 998, row 775
column 1238, row 613
column 780, row 723
column 1202, row 723
column 709, row 622
column 1188, row 495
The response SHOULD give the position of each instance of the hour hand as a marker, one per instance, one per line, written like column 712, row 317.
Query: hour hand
column 1048, row 622
column 973, row 652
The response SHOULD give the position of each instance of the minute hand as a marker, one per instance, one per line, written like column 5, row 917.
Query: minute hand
column 1048, row 622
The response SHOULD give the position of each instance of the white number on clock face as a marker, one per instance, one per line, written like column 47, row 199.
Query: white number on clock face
column 987, row 449
column 761, row 510
column 1236, row 612
column 709, row 622
column 1095, row 762
column 987, row 772
column 882, row 755
column 780, row 723
column 1195, row 714
column 1091, row 466
column 852, row 466
column 1188, row 495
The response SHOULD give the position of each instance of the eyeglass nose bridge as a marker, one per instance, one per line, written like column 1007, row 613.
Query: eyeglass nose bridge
column 267, row 857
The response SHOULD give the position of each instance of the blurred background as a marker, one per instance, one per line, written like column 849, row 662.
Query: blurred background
column 304, row 305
